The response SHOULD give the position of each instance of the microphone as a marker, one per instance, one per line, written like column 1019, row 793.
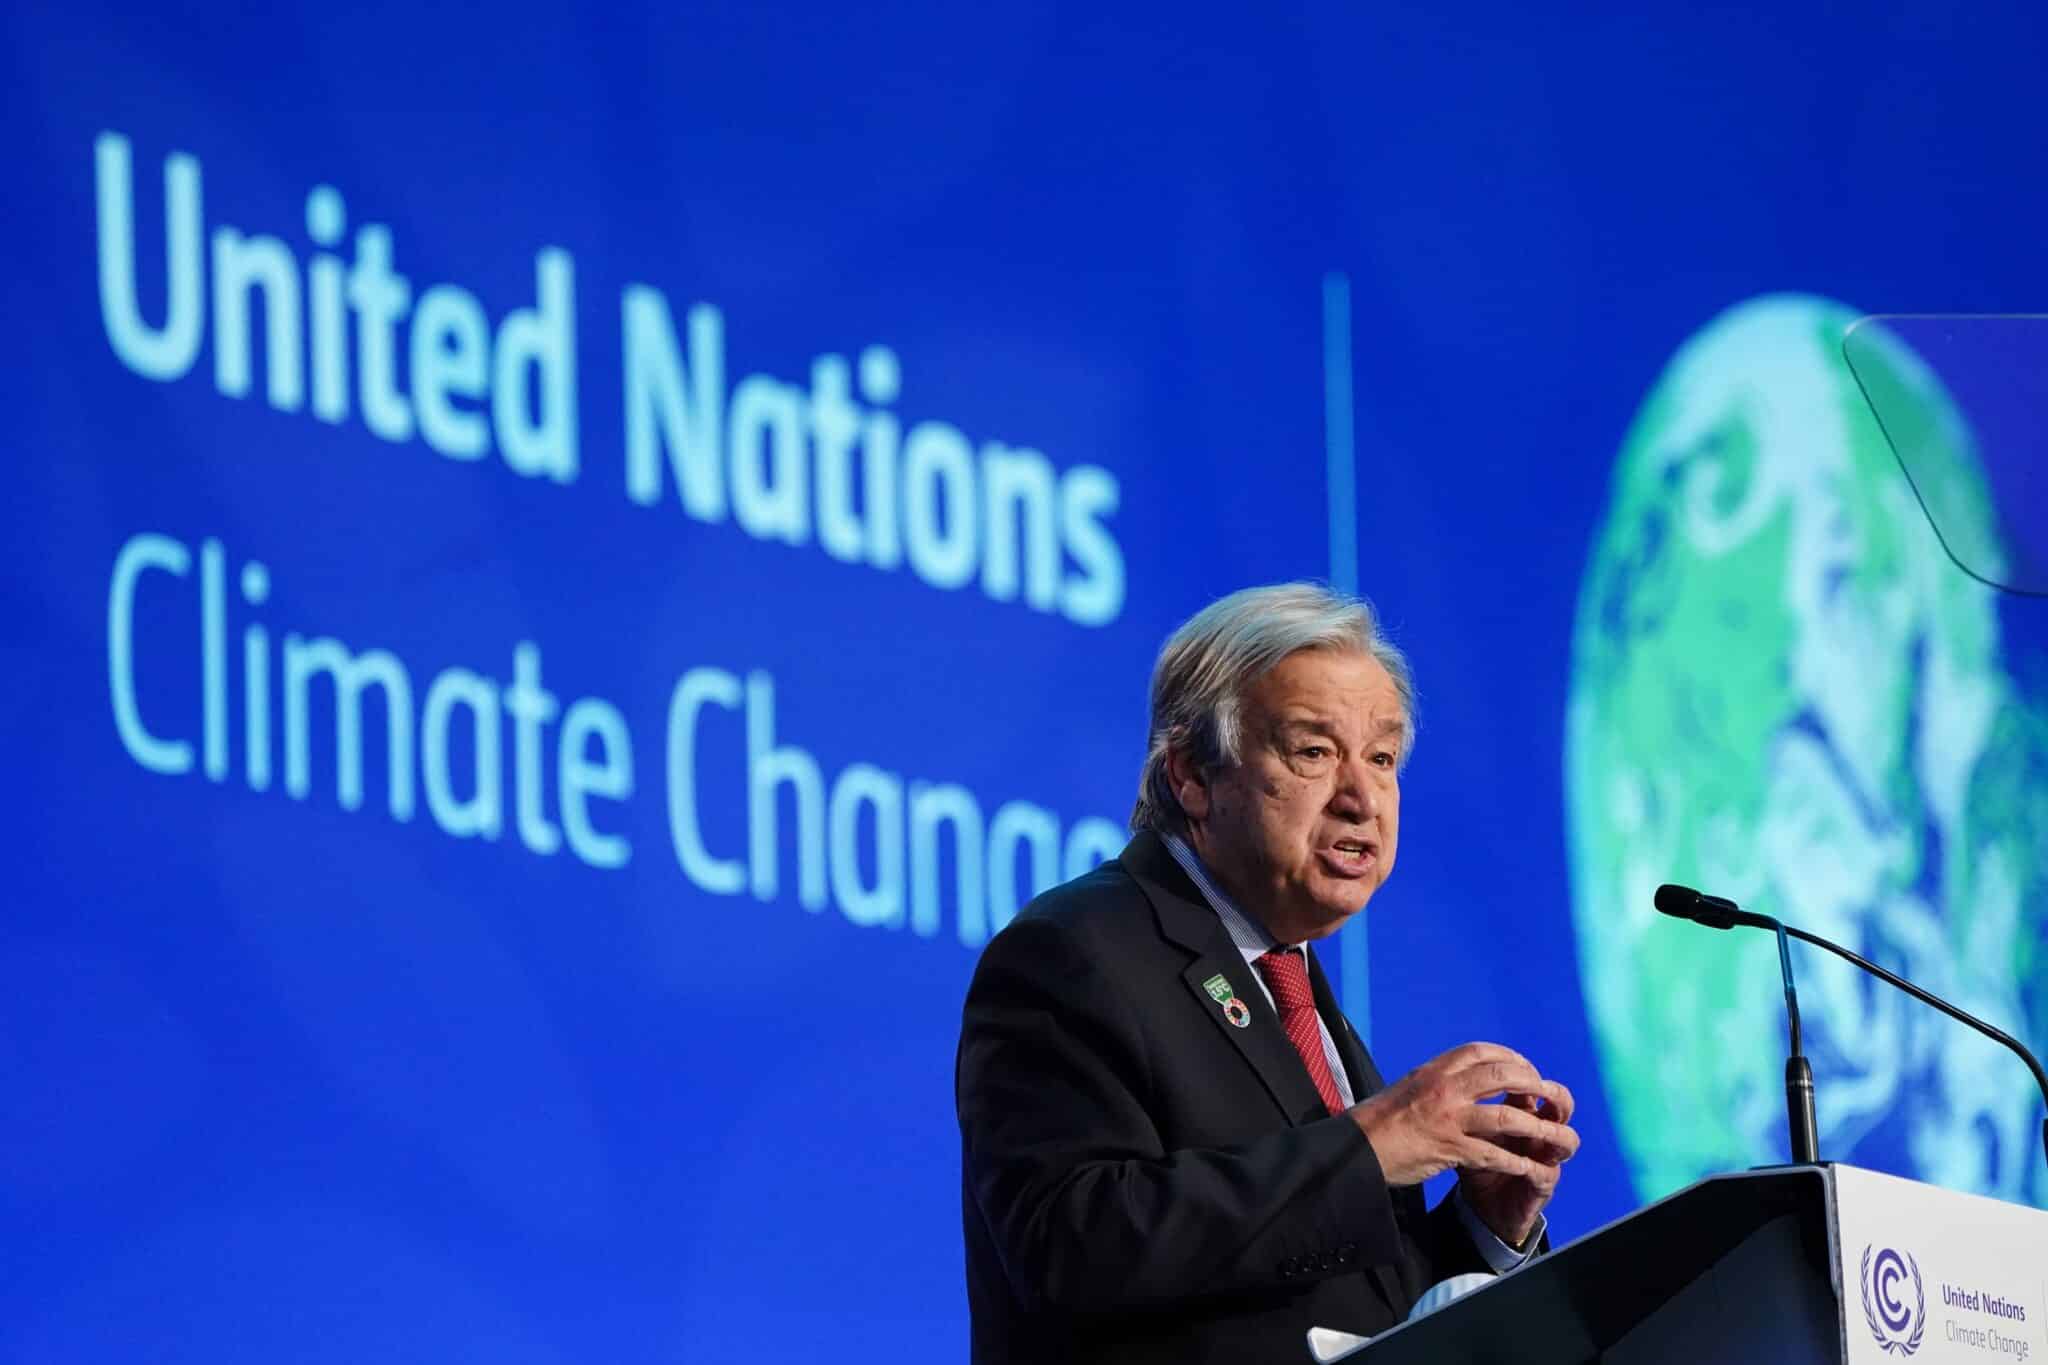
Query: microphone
column 1717, row 913
column 1712, row 911
column 1802, row 1127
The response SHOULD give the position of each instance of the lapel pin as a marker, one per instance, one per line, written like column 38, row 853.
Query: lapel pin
column 1234, row 1009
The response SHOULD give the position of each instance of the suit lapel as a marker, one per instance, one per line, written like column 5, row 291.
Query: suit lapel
column 1188, row 920
column 1260, row 1041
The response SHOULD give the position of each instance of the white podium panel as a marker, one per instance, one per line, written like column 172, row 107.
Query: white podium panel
column 1928, row 1275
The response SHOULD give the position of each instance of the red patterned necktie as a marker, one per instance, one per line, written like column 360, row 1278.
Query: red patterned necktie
column 1286, row 974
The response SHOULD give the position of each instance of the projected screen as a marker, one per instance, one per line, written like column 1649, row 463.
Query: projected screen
column 564, row 577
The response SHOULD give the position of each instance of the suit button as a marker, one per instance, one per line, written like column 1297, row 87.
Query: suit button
column 1347, row 1253
column 1326, row 1262
column 1289, row 1268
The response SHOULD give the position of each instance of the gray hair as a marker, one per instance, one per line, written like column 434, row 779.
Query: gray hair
column 1207, row 665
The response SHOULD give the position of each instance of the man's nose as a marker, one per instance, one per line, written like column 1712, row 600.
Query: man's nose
column 1356, row 797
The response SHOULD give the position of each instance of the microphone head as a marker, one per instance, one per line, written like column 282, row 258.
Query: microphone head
column 1681, row 901
column 1715, row 912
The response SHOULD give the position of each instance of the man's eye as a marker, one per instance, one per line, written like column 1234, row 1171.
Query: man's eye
column 1383, row 759
column 1313, row 751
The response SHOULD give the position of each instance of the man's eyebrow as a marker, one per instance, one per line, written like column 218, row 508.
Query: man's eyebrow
column 1393, row 725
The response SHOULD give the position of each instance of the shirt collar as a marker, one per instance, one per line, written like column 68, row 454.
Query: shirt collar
column 1248, row 934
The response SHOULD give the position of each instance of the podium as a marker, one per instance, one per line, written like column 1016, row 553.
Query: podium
column 1801, row 1264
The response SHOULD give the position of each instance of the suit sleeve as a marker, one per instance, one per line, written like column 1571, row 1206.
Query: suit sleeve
column 1087, row 1209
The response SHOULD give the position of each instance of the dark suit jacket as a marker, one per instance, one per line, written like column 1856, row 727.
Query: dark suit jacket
column 1144, row 1181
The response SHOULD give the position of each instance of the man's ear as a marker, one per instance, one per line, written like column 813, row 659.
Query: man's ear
column 1190, row 785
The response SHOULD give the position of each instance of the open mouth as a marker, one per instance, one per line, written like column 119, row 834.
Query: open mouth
column 1352, row 855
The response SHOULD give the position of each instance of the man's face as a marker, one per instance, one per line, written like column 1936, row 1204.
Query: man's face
column 1302, row 830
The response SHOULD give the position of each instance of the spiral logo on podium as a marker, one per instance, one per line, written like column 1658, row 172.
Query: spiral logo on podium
column 1898, row 1329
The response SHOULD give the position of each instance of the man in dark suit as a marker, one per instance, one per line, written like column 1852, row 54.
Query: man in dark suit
column 1174, row 1147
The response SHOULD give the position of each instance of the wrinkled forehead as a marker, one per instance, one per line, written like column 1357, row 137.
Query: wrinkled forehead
column 1345, row 687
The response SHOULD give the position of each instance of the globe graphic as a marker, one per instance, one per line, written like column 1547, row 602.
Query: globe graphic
column 1785, row 693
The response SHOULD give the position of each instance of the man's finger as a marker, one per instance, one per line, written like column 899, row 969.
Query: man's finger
column 1500, row 1076
column 1476, row 1054
column 1549, row 1098
column 1477, row 1154
column 1559, row 1099
column 1548, row 1153
column 1496, row 1122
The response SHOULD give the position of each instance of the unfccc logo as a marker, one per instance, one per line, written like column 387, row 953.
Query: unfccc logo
column 1896, row 1327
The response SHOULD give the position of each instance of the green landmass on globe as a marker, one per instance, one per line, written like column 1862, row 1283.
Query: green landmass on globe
column 1784, row 692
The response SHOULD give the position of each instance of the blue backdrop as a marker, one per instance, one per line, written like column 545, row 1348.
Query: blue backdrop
column 565, row 570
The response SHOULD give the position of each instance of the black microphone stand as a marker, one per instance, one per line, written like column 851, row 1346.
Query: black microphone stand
column 1715, row 912
column 1928, row 998
column 1800, row 1125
